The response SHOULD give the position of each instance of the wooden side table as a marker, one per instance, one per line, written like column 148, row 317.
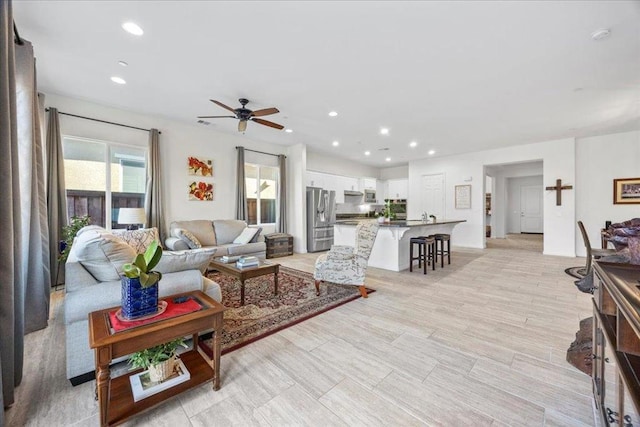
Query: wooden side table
column 115, row 397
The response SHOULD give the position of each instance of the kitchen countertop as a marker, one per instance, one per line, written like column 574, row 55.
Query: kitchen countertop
column 402, row 223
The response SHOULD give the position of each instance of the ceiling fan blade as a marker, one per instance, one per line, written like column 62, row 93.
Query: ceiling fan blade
column 242, row 125
column 216, row 117
column 268, row 123
column 265, row 112
column 226, row 107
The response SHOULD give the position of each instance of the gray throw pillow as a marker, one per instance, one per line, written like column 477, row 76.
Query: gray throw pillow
column 188, row 237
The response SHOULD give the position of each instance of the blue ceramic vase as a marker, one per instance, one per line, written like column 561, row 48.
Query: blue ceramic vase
column 136, row 300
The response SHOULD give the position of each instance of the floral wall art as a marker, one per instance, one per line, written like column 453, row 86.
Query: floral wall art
column 201, row 167
column 199, row 190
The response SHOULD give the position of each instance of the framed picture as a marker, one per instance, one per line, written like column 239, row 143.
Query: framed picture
column 201, row 191
column 626, row 191
column 201, row 167
column 463, row 196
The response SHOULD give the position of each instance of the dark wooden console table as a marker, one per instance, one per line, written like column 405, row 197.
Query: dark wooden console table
column 616, row 343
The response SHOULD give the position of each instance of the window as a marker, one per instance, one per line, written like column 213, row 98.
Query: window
column 262, row 189
column 102, row 177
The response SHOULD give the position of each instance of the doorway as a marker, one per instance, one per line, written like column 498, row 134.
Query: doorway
column 432, row 200
column 531, row 209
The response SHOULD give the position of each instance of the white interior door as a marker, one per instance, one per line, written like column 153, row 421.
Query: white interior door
column 433, row 195
column 531, row 209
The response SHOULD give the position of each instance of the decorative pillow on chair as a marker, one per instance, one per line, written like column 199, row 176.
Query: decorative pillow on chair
column 187, row 237
column 247, row 234
column 139, row 239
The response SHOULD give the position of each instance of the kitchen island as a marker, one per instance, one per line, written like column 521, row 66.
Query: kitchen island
column 391, row 248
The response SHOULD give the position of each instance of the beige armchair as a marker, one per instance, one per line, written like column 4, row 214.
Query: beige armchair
column 347, row 265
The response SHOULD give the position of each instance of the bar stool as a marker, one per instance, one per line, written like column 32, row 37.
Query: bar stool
column 426, row 252
column 440, row 251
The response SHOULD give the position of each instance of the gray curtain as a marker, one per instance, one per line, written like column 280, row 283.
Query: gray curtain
column 56, row 194
column 242, row 211
column 24, row 264
column 153, row 205
column 281, row 215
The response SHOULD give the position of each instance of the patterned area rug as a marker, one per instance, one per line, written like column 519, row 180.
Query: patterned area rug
column 265, row 313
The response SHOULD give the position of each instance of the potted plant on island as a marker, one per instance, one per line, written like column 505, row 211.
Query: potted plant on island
column 159, row 360
column 140, row 284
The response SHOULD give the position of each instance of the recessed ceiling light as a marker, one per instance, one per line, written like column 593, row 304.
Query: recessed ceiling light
column 431, row 152
column 388, row 159
column 133, row 28
column 600, row 34
column 335, row 143
column 123, row 63
column 118, row 80
column 367, row 153
column 333, row 113
column 288, row 130
column 384, row 131
column 413, row 144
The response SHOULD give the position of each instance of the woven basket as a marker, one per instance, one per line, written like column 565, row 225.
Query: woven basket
column 162, row 371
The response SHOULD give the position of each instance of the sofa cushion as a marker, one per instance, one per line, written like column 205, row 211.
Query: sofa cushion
column 173, row 261
column 246, row 236
column 103, row 254
column 139, row 239
column 187, row 237
column 202, row 229
column 227, row 230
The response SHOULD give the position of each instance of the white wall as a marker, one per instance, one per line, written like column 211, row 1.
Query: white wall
column 177, row 141
column 398, row 172
column 514, row 186
column 297, row 202
column 558, row 158
column 320, row 162
column 600, row 160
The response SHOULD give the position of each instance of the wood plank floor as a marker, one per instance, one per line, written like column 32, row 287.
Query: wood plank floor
column 481, row 342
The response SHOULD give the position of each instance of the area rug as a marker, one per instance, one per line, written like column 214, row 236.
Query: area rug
column 265, row 313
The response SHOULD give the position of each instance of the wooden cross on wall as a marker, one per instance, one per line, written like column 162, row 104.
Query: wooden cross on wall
column 559, row 187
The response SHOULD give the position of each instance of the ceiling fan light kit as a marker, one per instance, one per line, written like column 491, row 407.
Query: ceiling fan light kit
column 244, row 114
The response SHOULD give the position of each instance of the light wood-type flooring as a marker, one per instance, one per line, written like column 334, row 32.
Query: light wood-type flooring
column 526, row 242
column 481, row 342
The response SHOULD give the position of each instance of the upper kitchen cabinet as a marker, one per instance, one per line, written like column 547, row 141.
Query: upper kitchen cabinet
column 367, row 184
column 315, row 179
column 397, row 189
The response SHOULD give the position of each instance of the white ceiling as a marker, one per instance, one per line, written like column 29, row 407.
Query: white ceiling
column 452, row 76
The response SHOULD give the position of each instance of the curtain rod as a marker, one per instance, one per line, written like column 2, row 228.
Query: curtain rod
column 261, row 152
column 17, row 39
column 103, row 121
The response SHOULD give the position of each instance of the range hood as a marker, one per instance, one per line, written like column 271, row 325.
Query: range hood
column 352, row 193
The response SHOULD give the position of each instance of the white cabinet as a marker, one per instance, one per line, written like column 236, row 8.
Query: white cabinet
column 367, row 184
column 398, row 188
column 315, row 179
column 382, row 190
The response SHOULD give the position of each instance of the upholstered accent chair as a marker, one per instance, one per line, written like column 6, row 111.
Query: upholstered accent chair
column 347, row 265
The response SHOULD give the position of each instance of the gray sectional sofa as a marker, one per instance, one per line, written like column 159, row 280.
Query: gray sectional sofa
column 93, row 272
column 228, row 236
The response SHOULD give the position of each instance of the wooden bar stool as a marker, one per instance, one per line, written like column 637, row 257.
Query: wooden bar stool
column 440, row 251
column 426, row 252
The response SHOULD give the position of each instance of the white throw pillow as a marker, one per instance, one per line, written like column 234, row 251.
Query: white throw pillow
column 139, row 239
column 246, row 235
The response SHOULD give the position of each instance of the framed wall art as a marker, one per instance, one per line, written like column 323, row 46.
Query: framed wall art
column 626, row 191
column 202, row 191
column 200, row 167
column 463, row 196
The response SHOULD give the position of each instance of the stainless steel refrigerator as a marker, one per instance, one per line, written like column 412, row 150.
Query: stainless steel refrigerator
column 321, row 215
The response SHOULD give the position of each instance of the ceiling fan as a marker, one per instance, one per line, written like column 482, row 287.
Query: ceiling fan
column 244, row 115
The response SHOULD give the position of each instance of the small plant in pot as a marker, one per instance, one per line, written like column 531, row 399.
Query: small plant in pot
column 159, row 360
column 140, row 284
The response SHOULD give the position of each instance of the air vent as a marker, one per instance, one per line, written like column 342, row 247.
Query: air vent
column 383, row 149
column 204, row 122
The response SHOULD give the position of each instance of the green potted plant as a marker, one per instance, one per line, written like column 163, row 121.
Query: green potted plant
column 159, row 360
column 69, row 233
column 140, row 283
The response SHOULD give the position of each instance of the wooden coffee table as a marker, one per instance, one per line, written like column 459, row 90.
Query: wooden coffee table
column 243, row 274
column 115, row 397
